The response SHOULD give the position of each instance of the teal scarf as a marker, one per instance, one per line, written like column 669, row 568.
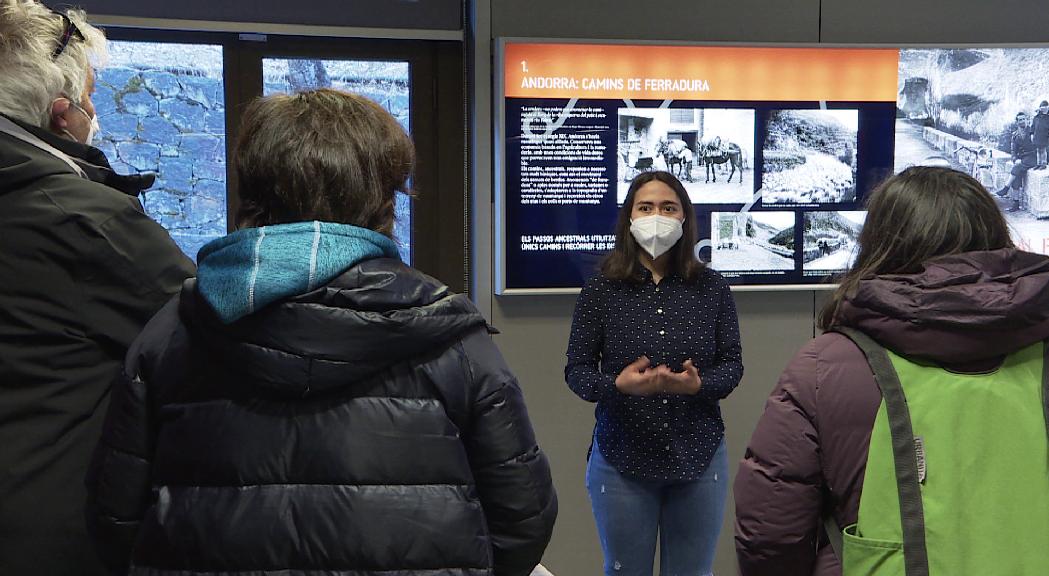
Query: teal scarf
column 242, row 272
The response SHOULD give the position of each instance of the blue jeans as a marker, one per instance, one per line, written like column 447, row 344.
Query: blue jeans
column 630, row 512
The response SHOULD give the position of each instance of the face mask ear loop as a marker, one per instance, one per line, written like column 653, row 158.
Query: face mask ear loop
column 80, row 109
column 93, row 126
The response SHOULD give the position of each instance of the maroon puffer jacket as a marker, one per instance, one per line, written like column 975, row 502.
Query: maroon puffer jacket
column 809, row 450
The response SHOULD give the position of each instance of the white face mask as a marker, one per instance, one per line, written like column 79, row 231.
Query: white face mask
column 93, row 131
column 656, row 234
column 94, row 126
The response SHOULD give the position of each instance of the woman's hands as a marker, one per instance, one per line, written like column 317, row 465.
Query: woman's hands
column 685, row 382
column 640, row 378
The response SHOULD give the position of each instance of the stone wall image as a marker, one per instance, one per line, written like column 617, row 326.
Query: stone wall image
column 387, row 83
column 162, row 109
column 959, row 153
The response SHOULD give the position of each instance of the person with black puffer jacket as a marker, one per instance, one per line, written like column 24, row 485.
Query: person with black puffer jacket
column 309, row 404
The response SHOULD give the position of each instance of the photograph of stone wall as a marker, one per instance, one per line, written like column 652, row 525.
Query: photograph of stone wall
column 971, row 93
column 810, row 157
column 161, row 108
column 961, row 107
column 388, row 83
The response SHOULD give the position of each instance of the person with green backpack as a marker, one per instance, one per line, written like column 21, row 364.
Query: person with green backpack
column 910, row 438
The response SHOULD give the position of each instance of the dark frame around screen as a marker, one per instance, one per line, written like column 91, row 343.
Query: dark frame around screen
column 863, row 181
column 437, row 118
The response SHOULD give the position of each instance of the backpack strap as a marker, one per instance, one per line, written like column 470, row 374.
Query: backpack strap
column 912, row 515
column 1045, row 384
column 830, row 525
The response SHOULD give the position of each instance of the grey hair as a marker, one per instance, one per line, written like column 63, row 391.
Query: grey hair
column 29, row 35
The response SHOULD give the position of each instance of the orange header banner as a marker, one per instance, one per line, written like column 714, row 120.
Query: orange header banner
column 700, row 72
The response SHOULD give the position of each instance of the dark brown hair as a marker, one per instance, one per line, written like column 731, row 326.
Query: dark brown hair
column 918, row 214
column 320, row 155
column 622, row 263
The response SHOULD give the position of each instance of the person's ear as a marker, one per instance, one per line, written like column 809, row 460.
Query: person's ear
column 59, row 107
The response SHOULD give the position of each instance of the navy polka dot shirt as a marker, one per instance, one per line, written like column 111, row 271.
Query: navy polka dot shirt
column 664, row 436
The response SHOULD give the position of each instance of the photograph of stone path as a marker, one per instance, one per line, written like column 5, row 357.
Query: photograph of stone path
column 752, row 241
column 830, row 239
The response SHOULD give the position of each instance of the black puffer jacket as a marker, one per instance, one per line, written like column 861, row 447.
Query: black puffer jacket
column 82, row 269
column 366, row 427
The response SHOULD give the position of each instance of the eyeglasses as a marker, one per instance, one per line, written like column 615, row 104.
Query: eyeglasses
column 69, row 30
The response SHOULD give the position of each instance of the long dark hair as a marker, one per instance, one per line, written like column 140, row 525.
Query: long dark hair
column 918, row 214
column 623, row 262
column 320, row 155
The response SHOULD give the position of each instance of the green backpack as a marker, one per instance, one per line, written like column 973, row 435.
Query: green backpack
column 957, row 478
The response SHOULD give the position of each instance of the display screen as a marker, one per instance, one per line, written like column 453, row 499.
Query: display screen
column 778, row 148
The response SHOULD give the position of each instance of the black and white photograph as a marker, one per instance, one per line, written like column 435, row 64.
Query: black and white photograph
column 752, row 241
column 710, row 150
column 830, row 240
column 809, row 157
column 984, row 111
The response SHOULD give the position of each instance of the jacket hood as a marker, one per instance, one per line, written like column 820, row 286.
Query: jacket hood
column 22, row 164
column 248, row 269
column 369, row 317
column 960, row 309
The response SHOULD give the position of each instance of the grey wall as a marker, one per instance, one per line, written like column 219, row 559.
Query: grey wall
column 935, row 21
column 774, row 324
column 421, row 14
column 742, row 20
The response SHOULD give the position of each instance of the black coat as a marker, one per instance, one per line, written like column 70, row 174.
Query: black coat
column 367, row 427
column 1040, row 130
column 82, row 269
column 1023, row 149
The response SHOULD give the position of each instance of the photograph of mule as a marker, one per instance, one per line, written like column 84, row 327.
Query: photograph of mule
column 678, row 157
column 716, row 152
column 709, row 149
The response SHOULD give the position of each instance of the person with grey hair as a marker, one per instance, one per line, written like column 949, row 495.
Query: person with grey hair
column 82, row 269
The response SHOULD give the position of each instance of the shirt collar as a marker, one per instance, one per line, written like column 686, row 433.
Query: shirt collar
column 646, row 276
